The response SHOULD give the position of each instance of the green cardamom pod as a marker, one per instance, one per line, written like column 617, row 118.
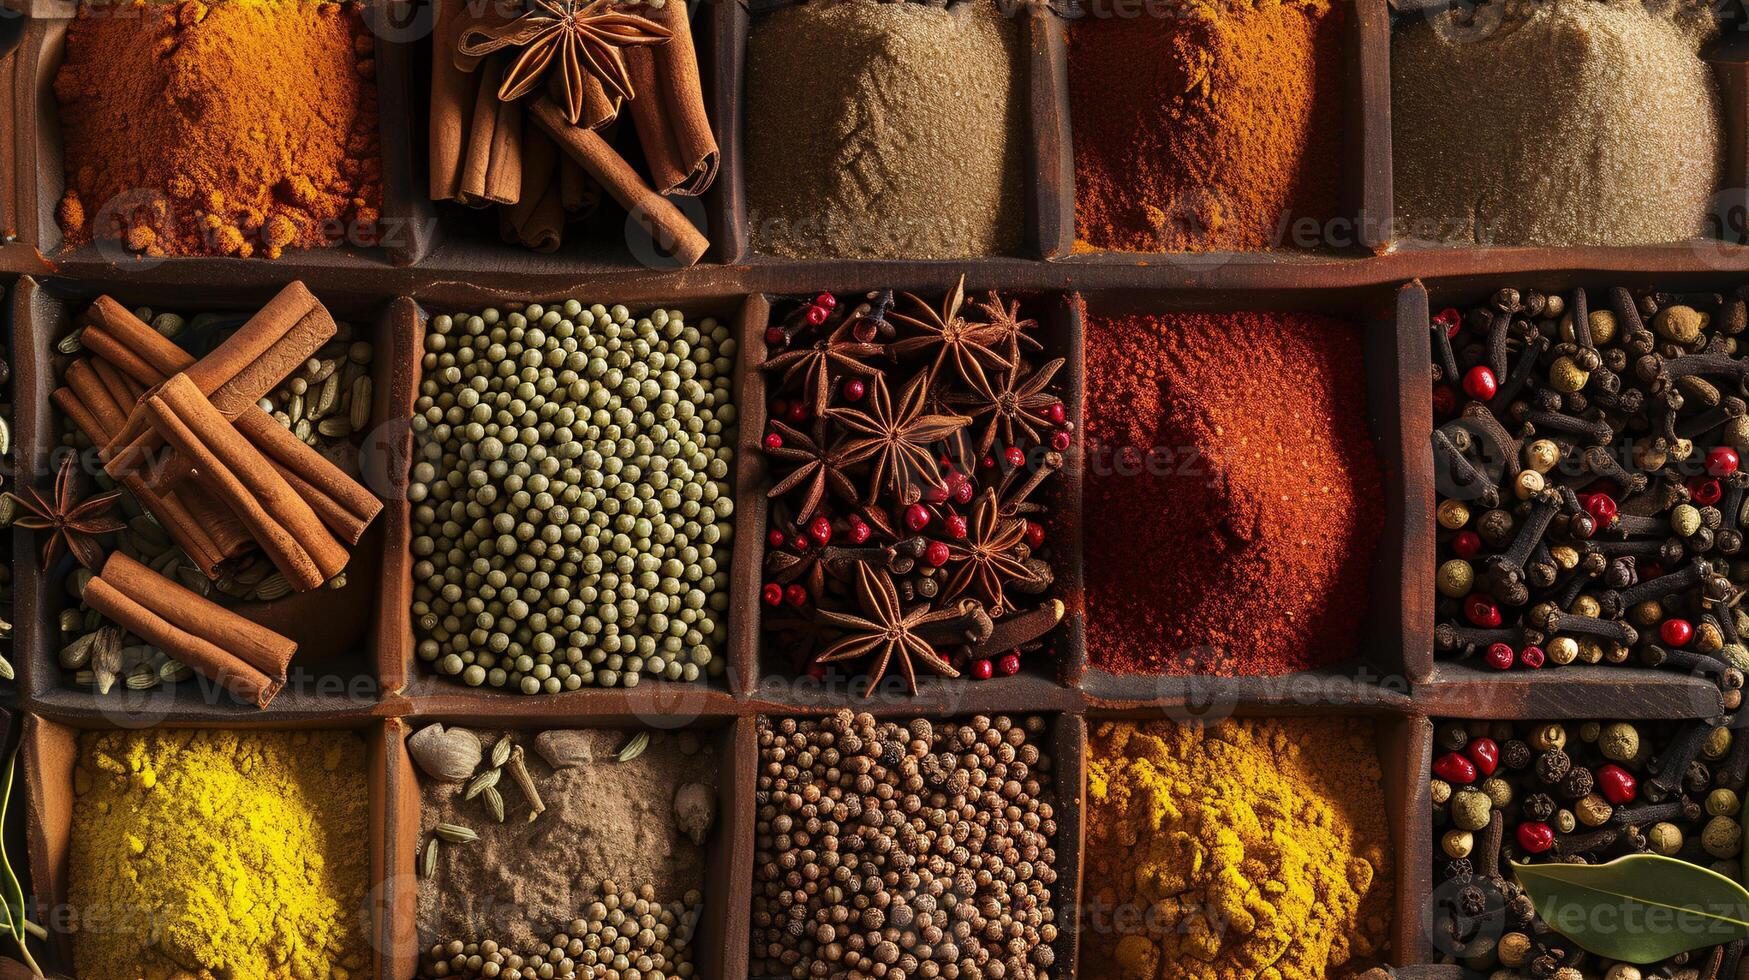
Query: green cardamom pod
column 455, row 833
column 428, row 868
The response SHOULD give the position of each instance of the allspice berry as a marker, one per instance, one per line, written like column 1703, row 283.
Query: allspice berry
column 1679, row 324
column 1619, row 742
column 1722, row 837
column 1567, row 376
column 1456, row 578
column 1514, row 949
column 1603, row 326
column 1452, row 514
column 1723, row 803
column 1562, row 650
column 1470, row 809
column 1664, row 838
column 1718, row 742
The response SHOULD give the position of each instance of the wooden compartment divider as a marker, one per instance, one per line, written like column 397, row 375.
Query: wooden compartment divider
column 1385, row 284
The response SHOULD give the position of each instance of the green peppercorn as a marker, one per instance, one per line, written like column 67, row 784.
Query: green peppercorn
column 1722, row 837
column 1620, row 742
column 1470, row 809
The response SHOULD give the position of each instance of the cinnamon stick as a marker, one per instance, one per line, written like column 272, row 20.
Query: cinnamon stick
column 203, row 528
column 92, row 395
column 492, row 169
column 288, row 531
column 537, row 219
column 453, row 93
column 246, row 658
column 666, row 224
column 113, row 333
column 342, row 503
column 669, row 112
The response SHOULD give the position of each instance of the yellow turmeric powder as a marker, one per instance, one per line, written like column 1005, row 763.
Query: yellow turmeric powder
column 203, row 854
column 1252, row 849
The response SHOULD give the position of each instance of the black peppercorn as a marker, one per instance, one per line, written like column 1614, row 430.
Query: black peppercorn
column 1538, row 807
column 1552, row 766
column 1516, row 754
column 1577, row 783
column 1453, row 738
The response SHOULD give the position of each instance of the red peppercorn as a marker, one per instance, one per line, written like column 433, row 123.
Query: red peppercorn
column 1485, row 754
column 1706, row 492
column 963, row 490
column 1009, row 664
column 773, row 441
column 1445, row 400
column 937, row 554
column 798, row 413
column 983, row 670
column 1482, row 611
column 916, row 517
column 854, row 389
column 1535, row 838
column 936, row 495
column 1455, row 769
column 1060, row 440
column 802, row 542
column 859, row 531
column 1499, row 656
column 775, row 336
column 1450, row 319
column 820, row 529
column 956, row 526
column 772, row 593
column 1466, row 544
column 1056, row 414
column 1531, row 657
column 774, row 538
column 795, row 595
column 826, row 301
column 1617, row 785
column 1676, row 632
column 1479, row 383
column 1015, row 456
column 817, row 315
column 1035, row 535
column 1602, row 506
column 1721, row 461
column 988, row 462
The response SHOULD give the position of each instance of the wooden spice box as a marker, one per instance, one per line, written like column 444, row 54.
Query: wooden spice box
column 438, row 264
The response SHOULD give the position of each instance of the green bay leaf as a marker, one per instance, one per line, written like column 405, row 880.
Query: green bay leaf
column 1639, row 909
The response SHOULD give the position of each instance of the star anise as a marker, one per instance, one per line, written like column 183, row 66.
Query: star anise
column 822, row 467
column 985, row 558
column 1006, row 324
column 965, row 343
column 897, row 437
column 72, row 524
column 813, row 364
column 886, row 631
column 1014, row 404
column 582, row 37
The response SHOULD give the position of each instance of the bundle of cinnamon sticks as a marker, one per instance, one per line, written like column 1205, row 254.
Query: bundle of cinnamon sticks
column 529, row 159
column 189, row 440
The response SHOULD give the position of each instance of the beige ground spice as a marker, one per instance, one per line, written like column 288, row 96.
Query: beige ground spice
column 605, row 820
column 1571, row 122
column 884, row 130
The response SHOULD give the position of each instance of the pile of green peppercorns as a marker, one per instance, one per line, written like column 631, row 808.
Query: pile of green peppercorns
column 571, row 505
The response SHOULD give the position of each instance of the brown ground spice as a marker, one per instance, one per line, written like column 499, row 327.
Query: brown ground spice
column 1215, row 129
column 1233, row 493
column 238, row 128
column 605, row 820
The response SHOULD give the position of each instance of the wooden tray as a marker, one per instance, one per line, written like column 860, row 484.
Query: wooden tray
column 439, row 263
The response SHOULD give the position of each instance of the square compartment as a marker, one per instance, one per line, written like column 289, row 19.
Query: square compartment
column 335, row 673
column 1042, row 683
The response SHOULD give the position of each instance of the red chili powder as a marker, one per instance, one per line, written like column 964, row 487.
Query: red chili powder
column 1218, row 127
column 1233, row 494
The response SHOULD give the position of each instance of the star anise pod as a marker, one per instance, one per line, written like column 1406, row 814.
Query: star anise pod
column 985, row 558
column 1014, row 404
column 822, row 467
column 1006, row 324
column 72, row 524
column 956, row 339
column 813, row 364
column 886, row 631
column 582, row 38
column 897, row 437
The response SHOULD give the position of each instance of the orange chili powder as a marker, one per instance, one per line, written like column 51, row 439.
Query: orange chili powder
column 1233, row 493
column 237, row 128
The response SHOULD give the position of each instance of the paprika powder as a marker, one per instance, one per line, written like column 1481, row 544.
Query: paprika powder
column 1233, row 493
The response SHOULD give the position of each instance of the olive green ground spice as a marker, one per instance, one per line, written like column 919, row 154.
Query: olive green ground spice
column 884, row 130
column 1572, row 122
